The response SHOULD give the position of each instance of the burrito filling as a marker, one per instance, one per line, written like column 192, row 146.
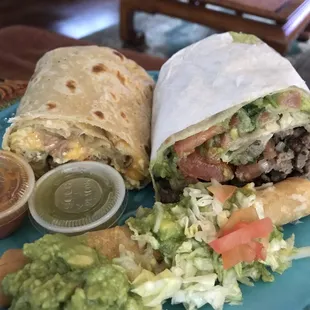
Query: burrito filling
column 45, row 148
column 267, row 140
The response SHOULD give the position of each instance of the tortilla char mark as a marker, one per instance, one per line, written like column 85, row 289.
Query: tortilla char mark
column 99, row 114
column 121, row 78
column 99, row 68
column 51, row 105
column 71, row 85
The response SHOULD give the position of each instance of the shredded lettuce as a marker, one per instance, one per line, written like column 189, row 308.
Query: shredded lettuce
column 181, row 232
column 134, row 263
column 192, row 258
column 155, row 289
column 194, row 299
column 279, row 252
column 234, row 295
column 127, row 261
column 134, row 302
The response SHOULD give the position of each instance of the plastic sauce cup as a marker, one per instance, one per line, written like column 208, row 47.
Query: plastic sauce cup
column 16, row 185
column 78, row 197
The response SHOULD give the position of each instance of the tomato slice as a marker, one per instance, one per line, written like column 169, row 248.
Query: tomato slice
column 199, row 167
column 225, row 140
column 247, row 215
column 222, row 192
column 291, row 99
column 188, row 145
column 257, row 229
column 241, row 253
column 260, row 251
column 263, row 253
column 244, row 253
column 236, row 227
column 263, row 118
column 234, row 121
column 238, row 243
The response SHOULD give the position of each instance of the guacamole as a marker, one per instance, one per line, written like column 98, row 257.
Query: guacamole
column 64, row 273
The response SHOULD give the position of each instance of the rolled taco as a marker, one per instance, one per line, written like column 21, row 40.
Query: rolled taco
column 85, row 103
column 229, row 108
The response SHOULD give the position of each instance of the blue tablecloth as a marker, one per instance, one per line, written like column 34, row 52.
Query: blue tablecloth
column 290, row 291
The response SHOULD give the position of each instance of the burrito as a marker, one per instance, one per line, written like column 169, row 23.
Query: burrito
column 85, row 103
column 232, row 109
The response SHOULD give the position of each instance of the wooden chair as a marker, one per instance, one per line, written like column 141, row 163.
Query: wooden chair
column 284, row 20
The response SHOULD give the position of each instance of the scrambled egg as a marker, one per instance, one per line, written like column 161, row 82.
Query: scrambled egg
column 26, row 139
column 75, row 152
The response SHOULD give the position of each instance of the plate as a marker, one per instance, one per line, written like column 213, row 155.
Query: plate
column 290, row 291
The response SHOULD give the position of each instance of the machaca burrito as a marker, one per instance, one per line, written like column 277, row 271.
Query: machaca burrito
column 85, row 103
column 196, row 252
column 232, row 109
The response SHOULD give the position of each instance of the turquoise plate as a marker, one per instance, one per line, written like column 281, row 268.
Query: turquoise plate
column 290, row 291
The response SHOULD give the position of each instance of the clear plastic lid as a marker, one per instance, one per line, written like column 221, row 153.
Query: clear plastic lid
column 78, row 197
column 16, row 185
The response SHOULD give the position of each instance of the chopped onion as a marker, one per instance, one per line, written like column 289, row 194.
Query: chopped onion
column 280, row 146
column 159, row 217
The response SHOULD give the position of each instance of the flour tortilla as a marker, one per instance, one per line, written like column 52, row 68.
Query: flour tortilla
column 286, row 201
column 96, row 91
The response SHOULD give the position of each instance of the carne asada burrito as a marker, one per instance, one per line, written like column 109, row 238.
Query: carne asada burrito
column 228, row 108
column 85, row 103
